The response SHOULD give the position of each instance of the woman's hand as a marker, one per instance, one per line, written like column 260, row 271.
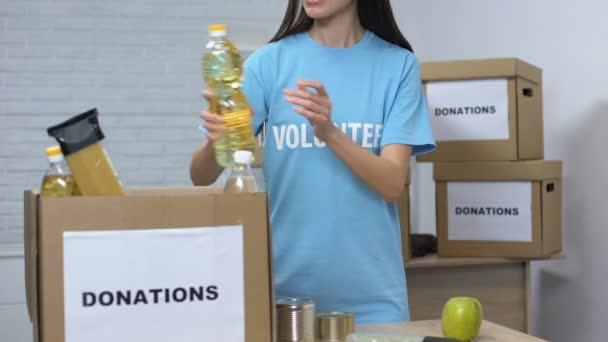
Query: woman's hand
column 212, row 122
column 385, row 173
column 316, row 107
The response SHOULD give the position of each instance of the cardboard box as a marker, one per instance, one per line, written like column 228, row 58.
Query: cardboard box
column 499, row 209
column 95, row 242
column 484, row 110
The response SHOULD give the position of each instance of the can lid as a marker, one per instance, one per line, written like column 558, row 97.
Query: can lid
column 217, row 30
column 334, row 326
column 294, row 301
column 290, row 304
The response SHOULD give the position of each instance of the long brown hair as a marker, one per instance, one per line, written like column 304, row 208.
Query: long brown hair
column 374, row 15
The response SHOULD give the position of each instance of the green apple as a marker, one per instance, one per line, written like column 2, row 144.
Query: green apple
column 461, row 318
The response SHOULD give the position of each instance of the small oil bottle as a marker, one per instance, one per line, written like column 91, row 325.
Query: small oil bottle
column 240, row 178
column 58, row 180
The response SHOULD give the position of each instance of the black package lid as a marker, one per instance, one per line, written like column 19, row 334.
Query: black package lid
column 438, row 339
column 77, row 132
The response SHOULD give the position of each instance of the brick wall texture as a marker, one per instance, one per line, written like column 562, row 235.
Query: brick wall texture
column 136, row 61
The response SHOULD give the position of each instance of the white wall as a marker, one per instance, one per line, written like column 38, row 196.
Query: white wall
column 137, row 61
column 569, row 40
column 14, row 320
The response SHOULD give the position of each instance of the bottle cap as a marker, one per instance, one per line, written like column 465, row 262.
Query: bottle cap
column 243, row 157
column 217, row 30
column 54, row 153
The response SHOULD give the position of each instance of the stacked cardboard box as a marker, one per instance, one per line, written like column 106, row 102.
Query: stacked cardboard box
column 495, row 195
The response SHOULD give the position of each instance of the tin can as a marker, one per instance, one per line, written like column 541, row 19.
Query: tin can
column 295, row 320
column 334, row 326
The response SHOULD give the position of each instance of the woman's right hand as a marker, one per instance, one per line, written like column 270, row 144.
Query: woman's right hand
column 212, row 122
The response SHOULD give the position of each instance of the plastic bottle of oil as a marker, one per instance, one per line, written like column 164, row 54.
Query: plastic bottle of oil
column 58, row 180
column 223, row 73
column 240, row 178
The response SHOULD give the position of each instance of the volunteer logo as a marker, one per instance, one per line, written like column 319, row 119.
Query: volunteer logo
column 294, row 136
column 150, row 296
column 439, row 111
column 486, row 211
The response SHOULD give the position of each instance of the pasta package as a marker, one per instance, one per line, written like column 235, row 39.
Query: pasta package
column 80, row 138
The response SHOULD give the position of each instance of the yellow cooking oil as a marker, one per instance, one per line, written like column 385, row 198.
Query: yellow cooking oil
column 58, row 180
column 222, row 67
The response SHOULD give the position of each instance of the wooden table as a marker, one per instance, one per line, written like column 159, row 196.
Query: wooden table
column 501, row 285
column 489, row 332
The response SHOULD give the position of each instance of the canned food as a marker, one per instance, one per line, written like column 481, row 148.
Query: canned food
column 295, row 320
column 334, row 326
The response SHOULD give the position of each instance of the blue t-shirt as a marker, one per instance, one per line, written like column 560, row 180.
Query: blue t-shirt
column 336, row 240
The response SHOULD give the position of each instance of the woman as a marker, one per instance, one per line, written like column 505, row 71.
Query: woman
column 339, row 90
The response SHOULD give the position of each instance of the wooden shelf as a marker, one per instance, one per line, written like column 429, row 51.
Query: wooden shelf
column 502, row 285
column 433, row 260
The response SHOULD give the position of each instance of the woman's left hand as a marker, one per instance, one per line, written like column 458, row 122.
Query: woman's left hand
column 316, row 107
